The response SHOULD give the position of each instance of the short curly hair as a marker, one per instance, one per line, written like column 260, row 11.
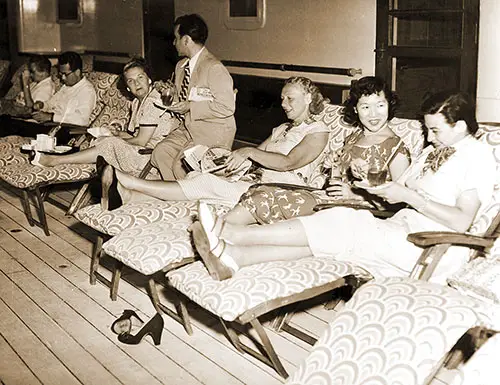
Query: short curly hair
column 137, row 62
column 367, row 86
column 317, row 99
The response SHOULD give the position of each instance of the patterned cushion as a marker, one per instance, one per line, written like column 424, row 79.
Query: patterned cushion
column 392, row 331
column 137, row 214
column 116, row 107
column 153, row 247
column 257, row 284
column 12, row 157
column 490, row 135
column 27, row 175
column 11, row 142
column 101, row 82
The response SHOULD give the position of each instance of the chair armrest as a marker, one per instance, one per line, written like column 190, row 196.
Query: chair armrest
column 77, row 130
column 362, row 205
column 288, row 186
column 432, row 238
column 145, row 151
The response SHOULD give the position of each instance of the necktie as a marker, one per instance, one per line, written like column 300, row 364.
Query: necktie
column 436, row 158
column 183, row 94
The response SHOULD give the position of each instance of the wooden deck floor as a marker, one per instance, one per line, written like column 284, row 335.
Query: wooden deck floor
column 55, row 326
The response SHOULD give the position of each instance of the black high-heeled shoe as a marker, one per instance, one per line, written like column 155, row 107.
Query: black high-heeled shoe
column 154, row 328
column 126, row 316
column 110, row 197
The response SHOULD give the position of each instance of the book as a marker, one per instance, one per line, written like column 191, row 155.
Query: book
column 206, row 159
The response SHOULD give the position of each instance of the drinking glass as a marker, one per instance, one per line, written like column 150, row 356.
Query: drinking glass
column 377, row 175
column 167, row 94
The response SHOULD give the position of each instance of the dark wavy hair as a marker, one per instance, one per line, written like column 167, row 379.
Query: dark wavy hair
column 317, row 99
column 72, row 58
column 454, row 106
column 367, row 86
column 194, row 26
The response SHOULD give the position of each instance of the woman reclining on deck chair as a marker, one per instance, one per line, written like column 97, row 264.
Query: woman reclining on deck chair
column 290, row 155
column 371, row 104
column 447, row 186
column 147, row 127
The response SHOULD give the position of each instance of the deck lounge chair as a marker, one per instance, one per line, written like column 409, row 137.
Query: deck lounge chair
column 256, row 290
column 399, row 331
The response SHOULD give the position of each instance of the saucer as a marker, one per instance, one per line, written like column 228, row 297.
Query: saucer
column 367, row 186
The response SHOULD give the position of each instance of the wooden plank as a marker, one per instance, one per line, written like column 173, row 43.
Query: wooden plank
column 71, row 354
column 37, row 356
column 204, row 369
column 8, row 264
column 12, row 369
column 101, row 342
column 212, row 345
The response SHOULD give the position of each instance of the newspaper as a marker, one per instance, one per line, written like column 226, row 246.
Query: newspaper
column 213, row 160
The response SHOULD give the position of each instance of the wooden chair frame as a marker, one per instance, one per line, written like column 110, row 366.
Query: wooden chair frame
column 434, row 245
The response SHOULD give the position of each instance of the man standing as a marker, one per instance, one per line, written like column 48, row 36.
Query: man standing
column 204, row 102
column 76, row 99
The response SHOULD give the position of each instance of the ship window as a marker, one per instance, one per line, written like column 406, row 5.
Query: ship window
column 69, row 11
column 245, row 14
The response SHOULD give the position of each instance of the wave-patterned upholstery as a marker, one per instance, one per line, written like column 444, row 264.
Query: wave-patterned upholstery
column 151, row 248
column 491, row 136
column 26, row 175
column 12, row 142
column 12, row 157
column 133, row 215
column 112, row 105
column 254, row 285
column 392, row 331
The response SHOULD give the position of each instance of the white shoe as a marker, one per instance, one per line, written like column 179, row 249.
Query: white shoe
column 36, row 160
column 207, row 220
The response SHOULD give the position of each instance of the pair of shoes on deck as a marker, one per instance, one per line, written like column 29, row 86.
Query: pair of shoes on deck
column 110, row 197
column 123, row 327
column 211, row 248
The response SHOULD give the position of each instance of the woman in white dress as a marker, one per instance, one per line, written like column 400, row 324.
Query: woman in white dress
column 290, row 155
column 148, row 126
column 445, row 189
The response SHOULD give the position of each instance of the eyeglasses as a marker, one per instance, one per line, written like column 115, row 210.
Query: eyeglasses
column 65, row 74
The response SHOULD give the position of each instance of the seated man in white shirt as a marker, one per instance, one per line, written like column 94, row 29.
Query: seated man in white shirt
column 76, row 99
column 37, row 85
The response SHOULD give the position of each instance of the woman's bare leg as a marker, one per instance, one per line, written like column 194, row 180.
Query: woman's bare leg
column 164, row 190
column 239, row 215
column 251, row 255
column 82, row 157
column 289, row 233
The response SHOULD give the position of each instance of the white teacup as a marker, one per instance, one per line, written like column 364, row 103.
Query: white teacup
column 45, row 142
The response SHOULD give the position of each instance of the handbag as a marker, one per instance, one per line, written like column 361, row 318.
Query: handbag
column 479, row 278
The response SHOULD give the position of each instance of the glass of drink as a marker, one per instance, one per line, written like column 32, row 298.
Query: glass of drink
column 167, row 94
column 377, row 175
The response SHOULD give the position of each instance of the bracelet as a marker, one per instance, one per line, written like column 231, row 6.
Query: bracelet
column 423, row 205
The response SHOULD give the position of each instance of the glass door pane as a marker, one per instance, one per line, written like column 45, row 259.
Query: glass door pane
column 425, row 4
column 438, row 30
column 415, row 78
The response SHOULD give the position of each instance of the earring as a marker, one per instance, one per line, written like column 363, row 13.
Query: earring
column 128, row 89
column 150, row 81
